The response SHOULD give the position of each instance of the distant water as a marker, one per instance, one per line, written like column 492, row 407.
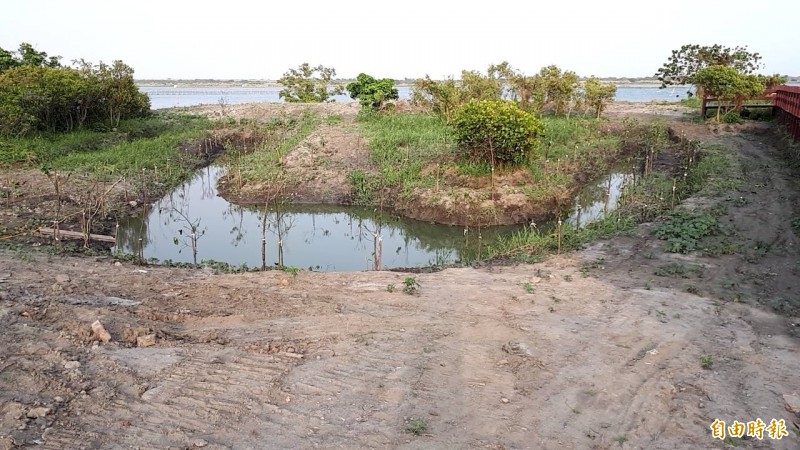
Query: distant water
column 171, row 96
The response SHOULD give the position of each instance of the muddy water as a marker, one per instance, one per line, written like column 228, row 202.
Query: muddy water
column 194, row 224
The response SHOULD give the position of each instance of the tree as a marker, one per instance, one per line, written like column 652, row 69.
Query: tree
column 496, row 131
column 556, row 88
column 597, row 95
column 372, row 93
column 27, row 55
column 308, row 84
column 728, row 84
column 521, row 87
column 36, row 97
column 682, row 66
column 442, row 97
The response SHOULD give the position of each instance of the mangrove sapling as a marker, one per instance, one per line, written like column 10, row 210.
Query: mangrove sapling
column 189, row 233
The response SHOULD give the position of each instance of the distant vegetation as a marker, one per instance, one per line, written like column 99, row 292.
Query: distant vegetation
column 38, row 94
column 725, row 73
column 308, row 84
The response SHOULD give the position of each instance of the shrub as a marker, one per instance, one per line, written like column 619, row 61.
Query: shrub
column 372, row 93
column 732, row 117
column 496, row 131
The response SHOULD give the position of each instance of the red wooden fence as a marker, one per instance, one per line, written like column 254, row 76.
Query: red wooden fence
column 787, row 108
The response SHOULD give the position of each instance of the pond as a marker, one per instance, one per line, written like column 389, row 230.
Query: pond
column 320, row 238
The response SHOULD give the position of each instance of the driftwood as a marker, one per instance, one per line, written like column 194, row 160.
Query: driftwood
column 64, row 234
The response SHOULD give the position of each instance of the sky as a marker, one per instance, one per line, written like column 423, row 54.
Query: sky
column 238, row 39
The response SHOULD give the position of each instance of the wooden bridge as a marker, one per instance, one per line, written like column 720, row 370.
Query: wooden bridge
column 783, row 100
column 787, row 108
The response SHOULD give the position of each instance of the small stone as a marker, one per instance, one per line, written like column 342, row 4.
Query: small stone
column 62, row 278
column 504, row 400
column 792, row 402
column 133, row 203
column 100, row 332
column 284, row 282
column 35, row 413
column 70, row 365
column 58, row 399
column 200, row 443
column 117, row 264
column 146, row 341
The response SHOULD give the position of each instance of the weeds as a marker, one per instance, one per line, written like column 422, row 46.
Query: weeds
column 416, row 426
column 677, row 270
column 707, row 362
column 683, row 230
column 410, row 285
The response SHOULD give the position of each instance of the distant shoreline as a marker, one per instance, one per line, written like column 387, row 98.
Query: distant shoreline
column 632, row 82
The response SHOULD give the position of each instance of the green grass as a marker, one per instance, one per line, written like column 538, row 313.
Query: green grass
column 402, row 144
column 135, row 144
column 277, row 138
column 531, row 244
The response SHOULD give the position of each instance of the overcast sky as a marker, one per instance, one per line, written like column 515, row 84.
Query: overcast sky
column 409, row 38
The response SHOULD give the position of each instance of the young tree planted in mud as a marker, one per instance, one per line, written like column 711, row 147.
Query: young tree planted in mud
column 497, row 132
column 372, row 93
column 308, row 84
column 682, row 66
column 598, row 95
column 728, row 84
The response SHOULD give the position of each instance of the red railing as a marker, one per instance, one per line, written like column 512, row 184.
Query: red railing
column 787, row 108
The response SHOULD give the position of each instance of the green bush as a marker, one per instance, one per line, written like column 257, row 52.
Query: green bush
column 372, row 93
column 732, row 117
column 496, row 131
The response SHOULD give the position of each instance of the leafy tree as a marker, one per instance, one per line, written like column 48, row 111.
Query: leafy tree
column 728, row 84
column 597, row 95
column 770, row 81
column 684, row 63
column 496, row 131
column 36, row 97
column 522, row 88
column 27, row 55
column 442, row 97
column 556, row 89
column 372, row 93
column 477, row 86
column 308, row 84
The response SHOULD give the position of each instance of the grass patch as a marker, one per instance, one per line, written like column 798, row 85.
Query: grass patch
column 275, row 139
column 418, row 151
column 416, row 426
column 678, row 270
column 135, row 144
column 402, row 144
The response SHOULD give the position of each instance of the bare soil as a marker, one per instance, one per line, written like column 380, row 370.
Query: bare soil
column 584, row 351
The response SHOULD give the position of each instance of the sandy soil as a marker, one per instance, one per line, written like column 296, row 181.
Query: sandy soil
column 585, row 351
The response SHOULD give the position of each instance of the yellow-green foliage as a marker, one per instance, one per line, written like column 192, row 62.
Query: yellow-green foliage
column 496, row 131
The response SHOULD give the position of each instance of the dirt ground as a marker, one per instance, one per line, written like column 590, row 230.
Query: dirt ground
column 589, row 350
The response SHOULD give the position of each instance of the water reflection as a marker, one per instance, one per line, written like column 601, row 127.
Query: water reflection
column 324, row 238
column 193, row 224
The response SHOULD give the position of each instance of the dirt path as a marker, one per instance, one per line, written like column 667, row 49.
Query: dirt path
column 589, row 350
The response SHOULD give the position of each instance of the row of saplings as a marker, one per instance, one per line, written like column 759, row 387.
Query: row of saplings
column 493, row 114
